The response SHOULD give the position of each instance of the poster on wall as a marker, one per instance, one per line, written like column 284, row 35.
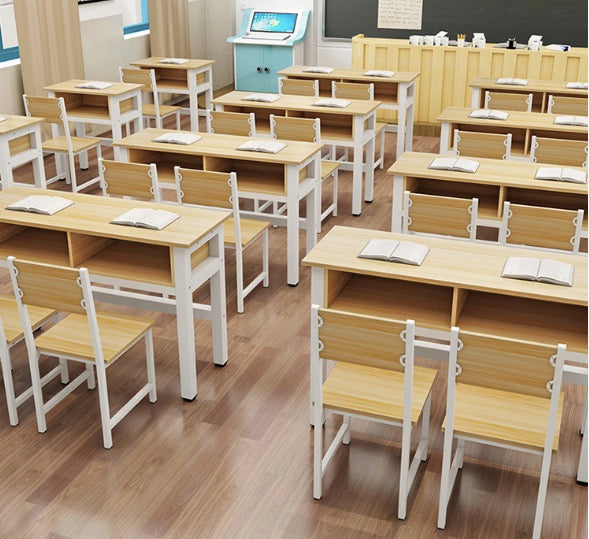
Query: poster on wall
column 403, row 14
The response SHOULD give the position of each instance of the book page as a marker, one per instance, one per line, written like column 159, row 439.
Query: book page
column 573, row 175
column 157, row 219
column 402, row 14
column 2, row 119
column 178, row 138
column 564, row 120
column 555, row 272
column 581, row 120
column 498, row 115
column 317, row 69
column 95, row 85
column 548, row 173
column 262, row 98
column 379, row 249
column 466, row 165
column 250, row 145
column 379, row 73
column 443, row 163
column 132, row 216
column 479, row 113
column 332, row 102
column 48, row 205
column 177, row 61
column 271, row 146
column 410, row 253
column 521, row 268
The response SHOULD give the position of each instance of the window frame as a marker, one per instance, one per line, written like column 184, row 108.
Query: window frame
column 140, row 26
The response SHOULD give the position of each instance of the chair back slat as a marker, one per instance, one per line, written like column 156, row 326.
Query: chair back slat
column 505, row 364
column 138, row 76
column 124, row 179
column 486, row 145
column 298, row 87
column 51, row 287
column 231, row 123
column 353, row 90
column 303, row 129
column 204, row 188
column 560, row 104
column 362, row 340
column 48, row 108
column 508, row 101
column 554, row 151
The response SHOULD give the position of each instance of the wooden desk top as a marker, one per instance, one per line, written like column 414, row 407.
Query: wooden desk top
column 449, row 263
column 349, row 74
column 490, row 171
column 12, row 123
column 548, row 86
column 297, row 102
column 217, row 145
column 69, row 87
column 154, row 61
column 522, row 120
column 91, row 214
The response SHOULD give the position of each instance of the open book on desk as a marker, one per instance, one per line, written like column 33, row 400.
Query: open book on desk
column 146, row 218
column 94, row 85
column 577, row 85
column 459, row 164
column 571, row 120
column 317, row 69
column 174, row 61
column 44, row 204
column 405, row 252
column 513, row 82
column 333, row 103
column 264, row 146
column 561, row 174
column 379, row 73
column 177, row 138
column 262, row 98
column 489, row 114
column 538, row 269
column 2, row 119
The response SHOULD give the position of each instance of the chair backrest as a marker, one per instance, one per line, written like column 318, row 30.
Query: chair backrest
column 53, row 112
column 487, row 145
column 535, row 226
column 302, row 129
column 561, row 104
column 134, row 180
column 440, row 215
column 555, row 151
column 508, row 101
column 352, row 90
column 138, row 76
column 231, row 123
column 298, row 87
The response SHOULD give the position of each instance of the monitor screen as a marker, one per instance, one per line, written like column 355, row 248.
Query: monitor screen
column 269, row 21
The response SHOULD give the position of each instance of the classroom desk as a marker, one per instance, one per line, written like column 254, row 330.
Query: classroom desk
column 20, row 143
column 494, row 182
column 522, row 125
column 291, row 173
column 352, row 126
column 177, row 260
column 191, row 78
column 459, row 284
column 394, row 93
column 540, row 90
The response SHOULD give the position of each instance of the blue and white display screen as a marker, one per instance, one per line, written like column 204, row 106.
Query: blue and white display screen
column 268, row 21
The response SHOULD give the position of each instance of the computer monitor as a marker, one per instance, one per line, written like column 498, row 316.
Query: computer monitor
column 271, row 21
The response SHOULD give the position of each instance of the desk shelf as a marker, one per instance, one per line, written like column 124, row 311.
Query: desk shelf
column 37, row 244
column 549, row 199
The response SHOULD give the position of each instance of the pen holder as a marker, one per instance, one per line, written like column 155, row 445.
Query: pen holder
column 511, row 43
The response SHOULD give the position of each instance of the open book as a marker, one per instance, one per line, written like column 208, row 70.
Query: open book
column 514, row 82
column 459, row 164
column 45, row 204
column 561, row 174
column 264, row 146
column 177, row 61
column 177, row 138
column 94, row 85
column 405, row 252
column 262, row 98
column 332, row 102
column 571, row 120
column 489, row 114
column 538, row 269
column 577, row 85
column 146, row 218
column 379, row 73
column 317, row 69
column 2, row 119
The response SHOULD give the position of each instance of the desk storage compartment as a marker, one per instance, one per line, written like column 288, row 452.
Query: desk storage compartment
column 165, row 162
column 36, row 244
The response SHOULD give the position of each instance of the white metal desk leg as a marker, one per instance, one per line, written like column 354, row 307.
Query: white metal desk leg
column 218, row 301
column 397, row 205
column 313, row 212
column 185, row 322
column 114, row 107
column 476, row 98
column 445, row 138
column 358, row 165
column 209, row 91
column 401, row 120
column 410, row 117
column 83, row 157
column 369, row 169
column 38, row 163
column 5, row 165
column 193, row 100
column 292, row 225
column 317, row 298
column 582, row 469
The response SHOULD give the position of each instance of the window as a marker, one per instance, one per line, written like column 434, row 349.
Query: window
column 8, row 40
column 135, row 16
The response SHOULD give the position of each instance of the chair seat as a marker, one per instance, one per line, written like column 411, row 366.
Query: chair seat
column 250, row 230
column 79, row 144
column 71, row 336
column 328, row 168
column 502, row 416
column 379, row 126
column 11, row 319
column 165, row 110
column 375, row 392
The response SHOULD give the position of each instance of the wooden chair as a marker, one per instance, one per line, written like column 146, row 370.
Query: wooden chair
column 52, row 110
column 508, row 101
column 560, row 104
column 502, row 392
column 440, row 215
column 218, row 190
column 375, row 378
column 488, row 145
column 150, row 111
column 362, row 90
column 231, row 123
column 543, row 228
column 96, row 339
column 11, row 333
column 554, row 151
column 298, row 87
column 308, row 130
column 129, row 180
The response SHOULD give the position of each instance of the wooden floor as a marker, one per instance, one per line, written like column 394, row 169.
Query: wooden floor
column 237, row 462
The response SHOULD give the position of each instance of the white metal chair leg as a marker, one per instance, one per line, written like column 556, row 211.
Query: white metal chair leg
column 544, row 474
column 178, row 119
column 150, row 364
column 460, row 453
column 318, row 451
column 37, row 391
column 445, row 480
column 335, row 192
column 584, row 420
column 65, row 376
column 265, row 261
column 382, row 149
column 91, row 378
column 582, row 468
column 404, row 472
column 346, row 438
column 8, row 382
column 425, row 416
column 239, row 278
column 104, row 406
